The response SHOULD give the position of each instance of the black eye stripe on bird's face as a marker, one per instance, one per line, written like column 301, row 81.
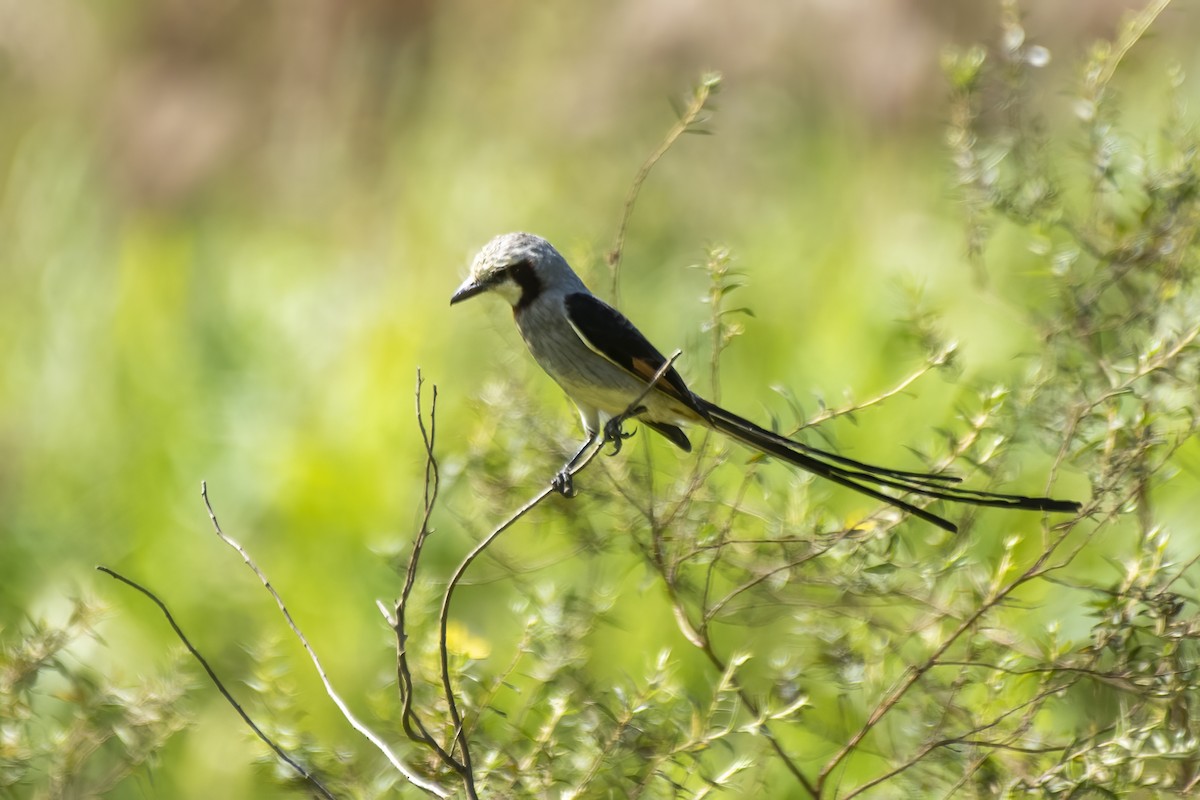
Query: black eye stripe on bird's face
column 523, row 275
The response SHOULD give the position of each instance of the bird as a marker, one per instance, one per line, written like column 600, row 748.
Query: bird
column 610, row 370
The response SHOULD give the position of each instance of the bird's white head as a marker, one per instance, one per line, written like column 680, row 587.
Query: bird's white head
column 519, row 267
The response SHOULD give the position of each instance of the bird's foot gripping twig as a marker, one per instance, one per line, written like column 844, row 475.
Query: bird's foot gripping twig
column 563, row 481
column 613, row 431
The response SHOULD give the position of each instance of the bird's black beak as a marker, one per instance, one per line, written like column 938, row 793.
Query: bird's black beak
column 469, row 289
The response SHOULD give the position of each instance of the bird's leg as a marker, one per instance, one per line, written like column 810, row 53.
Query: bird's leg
column 563, row 483
column 613, row 432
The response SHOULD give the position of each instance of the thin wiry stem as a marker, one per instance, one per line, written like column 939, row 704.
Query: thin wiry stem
column 1131, row 36
column 212, row 675
column 914, row 674
column 414, row 726
column 699, row 637
column 688, row 118
column 935, row 361
column 355, row 722
column 575, row 467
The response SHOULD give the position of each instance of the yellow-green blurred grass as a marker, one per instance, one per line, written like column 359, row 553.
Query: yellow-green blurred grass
column 264, row 334
column 277, row 361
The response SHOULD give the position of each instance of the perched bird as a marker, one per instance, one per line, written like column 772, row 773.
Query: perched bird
column 605, row 364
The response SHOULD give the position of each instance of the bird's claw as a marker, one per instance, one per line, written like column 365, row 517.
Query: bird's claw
column 614, row 433
column 563, row 483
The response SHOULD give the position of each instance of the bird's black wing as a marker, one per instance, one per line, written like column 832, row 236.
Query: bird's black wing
column 606, row 331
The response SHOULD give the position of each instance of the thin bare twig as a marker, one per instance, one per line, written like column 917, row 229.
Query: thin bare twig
column 413, row 726
column 699, row 637
column 212, row 675
column 935, row 361
column 689, row 117
column 914, row 673
column 966, row 738
column 358, row 725
column 484, row 544
column 1129, row 37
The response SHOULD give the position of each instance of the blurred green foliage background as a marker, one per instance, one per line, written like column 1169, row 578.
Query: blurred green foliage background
column 228, row 235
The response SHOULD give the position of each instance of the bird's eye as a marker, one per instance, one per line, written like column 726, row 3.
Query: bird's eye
column 522, row 274
column 519, row 272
